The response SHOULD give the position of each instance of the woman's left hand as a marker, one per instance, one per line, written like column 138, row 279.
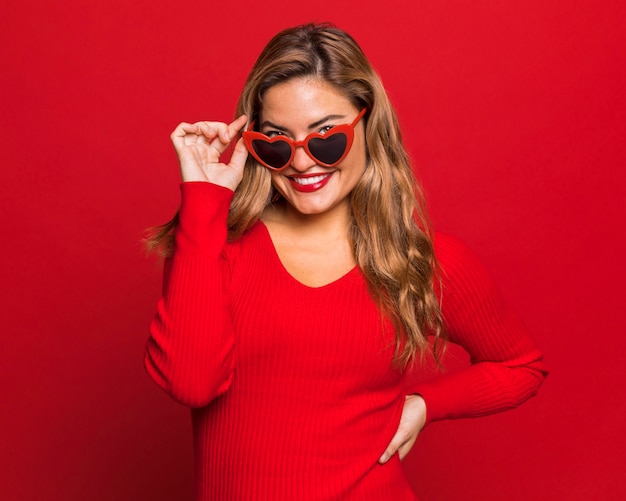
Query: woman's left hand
column 411, row 423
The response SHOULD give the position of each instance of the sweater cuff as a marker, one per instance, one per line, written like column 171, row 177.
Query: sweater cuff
column 435, row 404
column 446, row 397
column 203, row 216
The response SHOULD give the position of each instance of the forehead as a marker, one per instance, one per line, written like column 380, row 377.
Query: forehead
column 304, row 100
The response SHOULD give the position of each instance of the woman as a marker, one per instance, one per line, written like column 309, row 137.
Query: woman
column 301, row 284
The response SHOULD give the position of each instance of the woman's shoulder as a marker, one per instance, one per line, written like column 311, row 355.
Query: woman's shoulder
column 460, row 269
column 453, row 254
column 251, row 240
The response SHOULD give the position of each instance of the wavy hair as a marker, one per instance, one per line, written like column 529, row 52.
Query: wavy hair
column 390, row 231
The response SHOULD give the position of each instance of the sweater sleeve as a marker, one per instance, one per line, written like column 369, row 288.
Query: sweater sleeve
column 506, row 367
column 189, row 353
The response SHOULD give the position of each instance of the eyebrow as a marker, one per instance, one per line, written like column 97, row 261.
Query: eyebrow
column 327, row 118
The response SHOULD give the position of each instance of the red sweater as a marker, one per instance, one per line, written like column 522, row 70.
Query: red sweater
column 293, row 389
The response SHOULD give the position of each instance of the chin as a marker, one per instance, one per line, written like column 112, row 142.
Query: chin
column 311, row 211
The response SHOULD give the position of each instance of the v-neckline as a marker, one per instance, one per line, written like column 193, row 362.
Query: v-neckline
column 354, row 270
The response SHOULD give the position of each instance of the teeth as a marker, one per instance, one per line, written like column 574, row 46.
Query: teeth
column 305, row 181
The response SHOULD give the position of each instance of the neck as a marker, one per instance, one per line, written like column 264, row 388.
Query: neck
column 330, row 224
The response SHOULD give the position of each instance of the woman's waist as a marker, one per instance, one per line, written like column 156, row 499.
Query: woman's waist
column 276, row 463
column 305, row 436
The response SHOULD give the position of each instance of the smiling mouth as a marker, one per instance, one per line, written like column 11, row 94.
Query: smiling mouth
column 307, row 181
column 311, row 182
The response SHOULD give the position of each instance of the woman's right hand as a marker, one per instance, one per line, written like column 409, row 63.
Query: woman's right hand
column 199, row 147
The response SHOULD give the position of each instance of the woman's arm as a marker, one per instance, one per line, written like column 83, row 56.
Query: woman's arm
column 506, row 366
column 190, row 350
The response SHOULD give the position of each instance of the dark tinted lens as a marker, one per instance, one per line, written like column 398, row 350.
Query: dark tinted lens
column 273, row 154
column 328, row 150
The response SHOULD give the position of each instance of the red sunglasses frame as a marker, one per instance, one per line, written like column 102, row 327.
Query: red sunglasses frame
column 348, row 129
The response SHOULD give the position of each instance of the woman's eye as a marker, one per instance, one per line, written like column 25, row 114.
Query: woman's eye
column 273, row 133
column 325, row 129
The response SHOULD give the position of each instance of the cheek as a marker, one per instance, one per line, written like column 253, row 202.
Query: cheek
column 276, row 179
column 279, row 182
column 358, row 155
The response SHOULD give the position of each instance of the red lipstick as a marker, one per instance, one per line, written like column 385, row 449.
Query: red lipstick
column 308, row 183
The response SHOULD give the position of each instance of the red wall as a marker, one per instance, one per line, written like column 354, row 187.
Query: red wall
column 514, row 114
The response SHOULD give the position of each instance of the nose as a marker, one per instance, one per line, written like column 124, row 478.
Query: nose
column 301, row 160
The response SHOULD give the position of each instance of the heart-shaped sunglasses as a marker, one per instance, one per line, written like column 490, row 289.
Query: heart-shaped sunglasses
column 277, row 152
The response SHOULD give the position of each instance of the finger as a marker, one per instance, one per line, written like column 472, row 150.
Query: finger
column 236, row 125
column 182, row 129
column 392, row 448
column 207, row 131
column 221, row 138
column 225, row 133
column 239, row 156
column 191, row 133
column 213, row 129
column 406, row 447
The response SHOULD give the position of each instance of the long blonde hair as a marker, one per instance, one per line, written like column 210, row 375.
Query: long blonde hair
column 390, row 232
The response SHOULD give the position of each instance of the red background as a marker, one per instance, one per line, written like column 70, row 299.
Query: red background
column 514, row 114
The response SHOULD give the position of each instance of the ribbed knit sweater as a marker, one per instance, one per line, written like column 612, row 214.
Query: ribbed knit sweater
column 293, row 389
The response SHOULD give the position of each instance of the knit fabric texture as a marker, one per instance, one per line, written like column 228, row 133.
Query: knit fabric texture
column 293, row 389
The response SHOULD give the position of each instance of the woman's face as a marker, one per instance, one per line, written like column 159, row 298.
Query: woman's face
column 296, row 108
